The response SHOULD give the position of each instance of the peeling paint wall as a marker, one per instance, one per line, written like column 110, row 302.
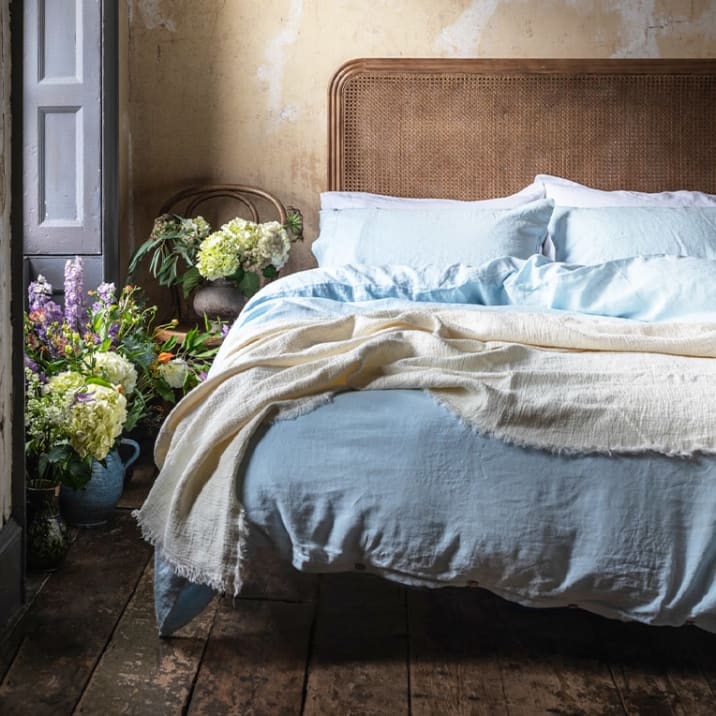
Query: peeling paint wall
column 5, row 275
column 236, row 90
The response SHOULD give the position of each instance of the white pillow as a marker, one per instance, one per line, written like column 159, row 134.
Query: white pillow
column 363, row 200
column 442, row 236
column 569, row 193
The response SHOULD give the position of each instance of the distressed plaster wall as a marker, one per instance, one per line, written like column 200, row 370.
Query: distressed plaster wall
column 235, row 90
column 5, row 274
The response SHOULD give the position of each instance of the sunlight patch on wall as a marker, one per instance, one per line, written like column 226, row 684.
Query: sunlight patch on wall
column 152, row 16
column 271, row 72
column 639, row 26
column 462, row 38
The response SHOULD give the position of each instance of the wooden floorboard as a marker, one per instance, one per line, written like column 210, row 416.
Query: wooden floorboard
column 359, row 659
column 273, row 578
column 12, row 635
column 454, row 654
column 472, row 652
column 139, row 483
column 684, row 663
column 552, row 662
column 68, row 626
column 255, row 660
column 335, row 644
column 638, row 671
column 139, row 673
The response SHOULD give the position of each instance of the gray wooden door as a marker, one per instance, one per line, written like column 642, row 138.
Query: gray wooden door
column 66, row 120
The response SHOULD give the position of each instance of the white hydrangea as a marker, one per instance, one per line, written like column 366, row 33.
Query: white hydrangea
column 273, row 245
column 117, row 370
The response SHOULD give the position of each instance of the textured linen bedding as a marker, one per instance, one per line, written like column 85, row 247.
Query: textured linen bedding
column 628, row 536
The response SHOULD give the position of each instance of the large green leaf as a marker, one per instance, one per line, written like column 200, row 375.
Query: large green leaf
column 249, row 284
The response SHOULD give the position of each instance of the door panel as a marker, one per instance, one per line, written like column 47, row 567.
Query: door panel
column 62, row 100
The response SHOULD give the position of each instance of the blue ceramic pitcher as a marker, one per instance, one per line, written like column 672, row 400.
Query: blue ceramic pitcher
column 93, row 504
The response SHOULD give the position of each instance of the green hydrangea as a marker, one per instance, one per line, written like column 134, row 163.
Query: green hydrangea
column 242, row 244
column 97, row 422
column 219, row 256
column 89, row 416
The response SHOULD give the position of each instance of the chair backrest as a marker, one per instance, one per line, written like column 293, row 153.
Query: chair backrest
column 186, row 202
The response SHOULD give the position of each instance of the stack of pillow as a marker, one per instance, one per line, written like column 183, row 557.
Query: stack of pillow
column 565, row 220
column 590, row 226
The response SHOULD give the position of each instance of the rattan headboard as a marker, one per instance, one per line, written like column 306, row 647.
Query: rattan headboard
column 471, row 129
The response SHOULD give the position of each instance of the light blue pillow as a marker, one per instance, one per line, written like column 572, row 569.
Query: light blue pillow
column 595, row 235
column 436, row 235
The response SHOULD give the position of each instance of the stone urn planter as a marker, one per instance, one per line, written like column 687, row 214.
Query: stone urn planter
column 218, row 299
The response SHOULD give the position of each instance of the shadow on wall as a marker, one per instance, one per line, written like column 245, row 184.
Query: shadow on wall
column 175, row 127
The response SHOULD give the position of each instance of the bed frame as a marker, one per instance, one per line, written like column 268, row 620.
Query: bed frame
column 477, row 128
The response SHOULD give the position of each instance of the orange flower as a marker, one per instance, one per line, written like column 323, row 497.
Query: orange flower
column 165, row 357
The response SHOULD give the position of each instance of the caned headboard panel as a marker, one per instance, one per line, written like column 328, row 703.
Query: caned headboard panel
column 471, row 129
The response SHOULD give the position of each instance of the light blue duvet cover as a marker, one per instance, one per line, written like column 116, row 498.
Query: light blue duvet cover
column 392, row 483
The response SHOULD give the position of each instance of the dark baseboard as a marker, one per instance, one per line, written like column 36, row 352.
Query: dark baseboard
column 10, row 570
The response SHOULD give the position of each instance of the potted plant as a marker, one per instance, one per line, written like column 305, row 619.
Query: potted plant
column 94, row 372
column 172, row 247
column 82, row 387
column 231, row 262
column 234, row 260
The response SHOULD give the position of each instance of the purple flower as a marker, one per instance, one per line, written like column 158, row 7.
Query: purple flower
column 225, row 328
column 75, row 311
column 39, row 293
column 106, row 296
column 81, row 397
column 29, row 363
column 202, row 375
column 106, row 292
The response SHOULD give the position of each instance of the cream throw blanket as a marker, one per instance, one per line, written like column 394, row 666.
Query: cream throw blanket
column 555, row 381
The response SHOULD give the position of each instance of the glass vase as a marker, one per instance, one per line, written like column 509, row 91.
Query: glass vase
column 47, row 542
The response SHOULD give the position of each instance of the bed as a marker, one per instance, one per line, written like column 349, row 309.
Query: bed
column 518, row 395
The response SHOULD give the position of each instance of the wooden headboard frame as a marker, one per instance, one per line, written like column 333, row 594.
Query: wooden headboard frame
column 477, row 128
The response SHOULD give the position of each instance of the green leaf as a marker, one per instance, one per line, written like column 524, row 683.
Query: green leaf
column 249, row 284
column 168, row 345
column 57, row 454
column 190, row 280
column 140, row 253
column 96, row 380
column 294, row 223
column 43, row 463
column 237, row 276
column 270, row 272
column 165, row 391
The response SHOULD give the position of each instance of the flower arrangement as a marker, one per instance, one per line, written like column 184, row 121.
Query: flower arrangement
column 173, row 244
column 185, row 251
column 241, row 251
column 94, row 370
column 181, row 366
